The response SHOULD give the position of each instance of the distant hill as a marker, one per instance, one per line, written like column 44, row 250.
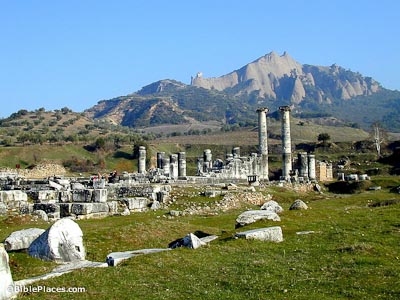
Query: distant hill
column 172, row 102
column 272, row 80
column 58, row 126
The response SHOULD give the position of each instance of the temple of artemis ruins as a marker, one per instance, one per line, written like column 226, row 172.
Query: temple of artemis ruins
column 236, row 166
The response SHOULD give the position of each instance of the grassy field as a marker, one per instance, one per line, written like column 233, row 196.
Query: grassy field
column 353, row 254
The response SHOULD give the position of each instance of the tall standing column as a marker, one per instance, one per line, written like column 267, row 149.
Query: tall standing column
column 142, row 160
column 311, row 167
column 160, row 159
column 173, row 162
column 286, row 142
column 182, row 164
column 263, row 141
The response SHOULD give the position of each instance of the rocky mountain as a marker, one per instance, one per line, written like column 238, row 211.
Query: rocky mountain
column 272, row 81
column 171, row 102
column 277, row 77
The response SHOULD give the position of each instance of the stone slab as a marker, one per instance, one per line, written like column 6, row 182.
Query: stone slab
column 273, row 234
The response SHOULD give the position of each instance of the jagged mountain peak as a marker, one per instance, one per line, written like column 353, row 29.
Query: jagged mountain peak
column 280, row 77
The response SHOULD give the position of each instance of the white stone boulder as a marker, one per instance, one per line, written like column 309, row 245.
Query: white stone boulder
column 7, row 290
column 272, row 205
column 22, row 239
column 273, row 234
column 298, row 205
column 62, row 242
column 252, row 216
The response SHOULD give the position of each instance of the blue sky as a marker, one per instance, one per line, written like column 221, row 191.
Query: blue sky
column 75, row 53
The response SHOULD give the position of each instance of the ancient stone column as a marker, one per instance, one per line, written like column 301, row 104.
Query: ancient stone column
column 236, row 152
column 255, row 164
column 160, row 159
column 207, row 160
column 182, row 164
column 303, row 164
column 311, row 167
column 142, row 160
column 263, row 141
column 166, row 166
column 173, row 162
column 286, row 142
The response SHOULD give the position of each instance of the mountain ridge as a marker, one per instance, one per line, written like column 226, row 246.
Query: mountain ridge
column 276, row 77
column 271, row 80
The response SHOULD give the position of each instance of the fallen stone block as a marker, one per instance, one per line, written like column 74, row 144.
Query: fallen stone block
column 137, row 203
column 88, row 208
column 252, row 216
column 100, row 195
column 22, row 239
column 62, row 242
column 273, row 234
column 116, row 258
column 85, row 195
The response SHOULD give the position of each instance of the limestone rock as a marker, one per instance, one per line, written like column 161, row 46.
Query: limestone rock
column 272, row 206
column 252, row 216
column 273, row 234
column 62, row 242
column 7, row 290
column 22, row 239
column 298, row 205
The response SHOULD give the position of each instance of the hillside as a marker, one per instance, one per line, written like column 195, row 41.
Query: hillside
column 41, row 126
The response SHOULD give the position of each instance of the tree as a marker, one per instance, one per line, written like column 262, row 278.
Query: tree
column 324, row 137
column 378, row 137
